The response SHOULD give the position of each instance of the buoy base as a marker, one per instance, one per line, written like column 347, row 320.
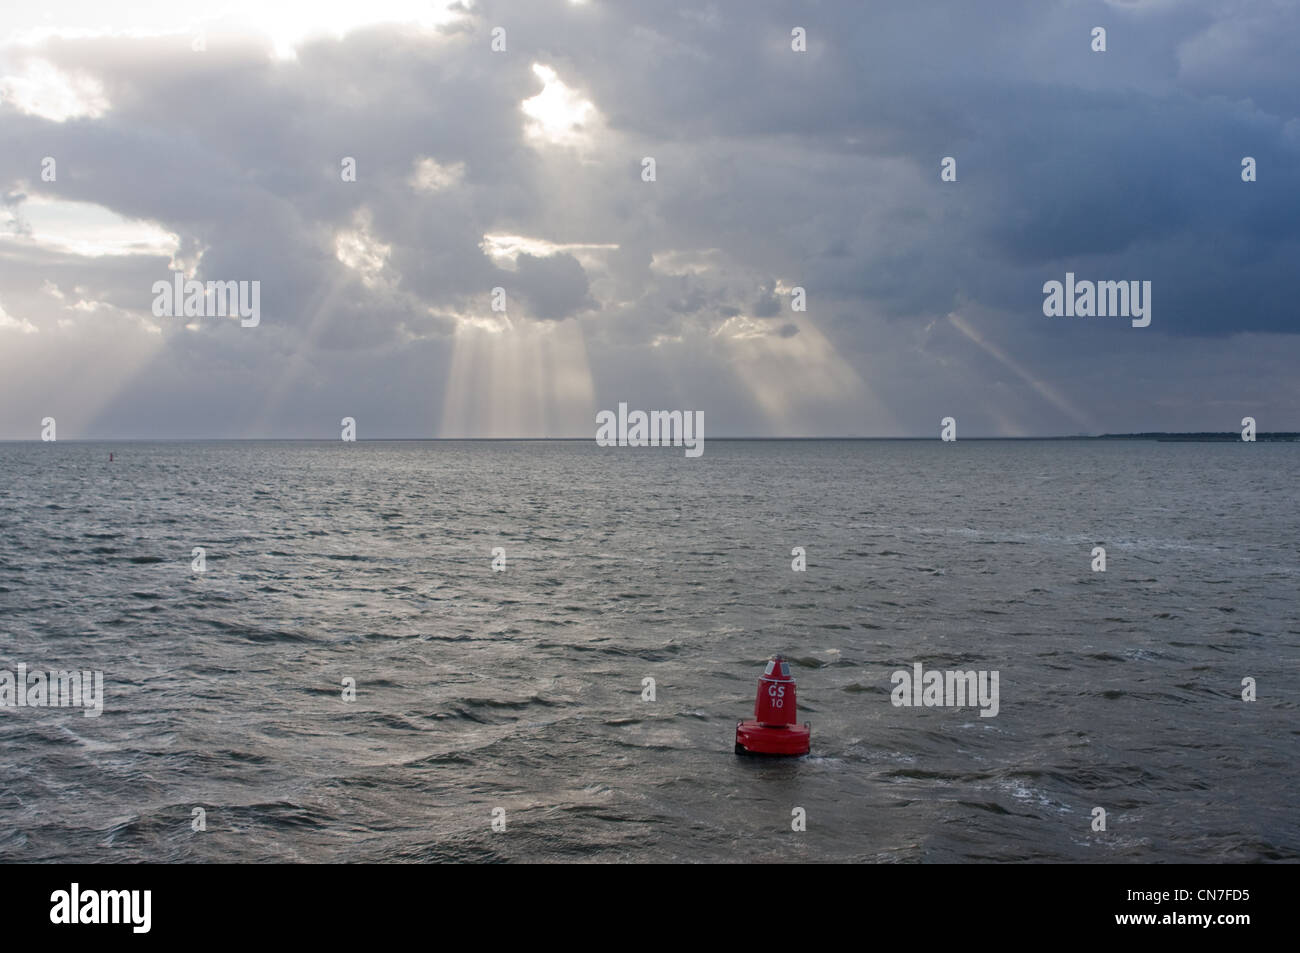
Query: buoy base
column 753, row 738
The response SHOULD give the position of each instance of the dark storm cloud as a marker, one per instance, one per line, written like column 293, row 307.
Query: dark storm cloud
column 555, row 286
column 818, row 169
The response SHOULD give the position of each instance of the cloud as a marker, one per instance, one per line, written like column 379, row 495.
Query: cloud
column 555, row 287
column 774, row 169
column 20, row 325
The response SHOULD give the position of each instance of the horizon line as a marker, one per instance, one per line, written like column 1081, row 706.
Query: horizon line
column 1137, row 435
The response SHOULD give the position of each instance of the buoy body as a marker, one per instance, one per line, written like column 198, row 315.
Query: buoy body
column 773, row 729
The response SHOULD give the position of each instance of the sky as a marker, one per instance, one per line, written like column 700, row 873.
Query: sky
column 214, row 139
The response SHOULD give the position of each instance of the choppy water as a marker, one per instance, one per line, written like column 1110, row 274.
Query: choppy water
column 522, row 689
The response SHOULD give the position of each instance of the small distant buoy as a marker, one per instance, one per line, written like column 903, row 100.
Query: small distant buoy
column 773, row 730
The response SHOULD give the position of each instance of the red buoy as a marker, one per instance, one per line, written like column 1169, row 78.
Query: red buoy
column 773, row 730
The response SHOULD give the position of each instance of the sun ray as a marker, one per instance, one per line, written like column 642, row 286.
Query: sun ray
column 1040, row 387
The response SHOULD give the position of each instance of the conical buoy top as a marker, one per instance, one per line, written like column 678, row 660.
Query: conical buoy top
column 775, row 703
